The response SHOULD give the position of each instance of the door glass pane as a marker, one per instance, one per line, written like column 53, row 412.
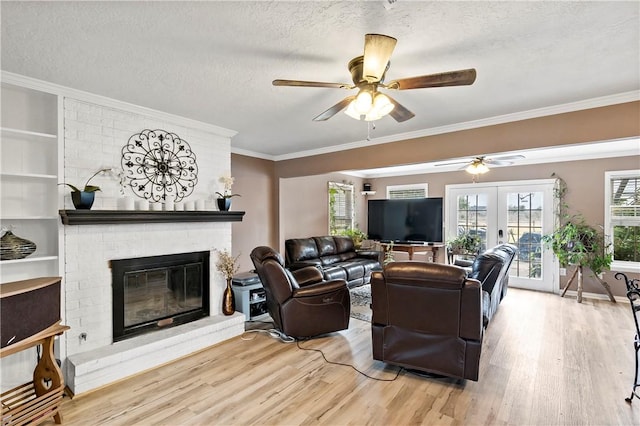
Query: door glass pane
column 472, row 216
column 524, row 230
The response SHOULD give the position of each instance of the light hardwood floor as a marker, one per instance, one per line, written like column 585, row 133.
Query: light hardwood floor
column 546, row 360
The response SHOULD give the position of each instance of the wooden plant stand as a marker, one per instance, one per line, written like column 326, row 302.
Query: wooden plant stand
column 578, row 272
column 39, row 400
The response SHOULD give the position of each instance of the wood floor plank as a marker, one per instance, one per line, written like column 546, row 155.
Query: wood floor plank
column 546, row 360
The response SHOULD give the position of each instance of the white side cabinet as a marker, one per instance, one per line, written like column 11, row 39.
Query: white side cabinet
column 29, row 174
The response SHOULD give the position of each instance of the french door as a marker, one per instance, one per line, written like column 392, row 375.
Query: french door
column 517, row 213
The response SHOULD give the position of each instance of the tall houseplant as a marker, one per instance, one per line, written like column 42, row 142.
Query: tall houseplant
column 579, row 244
column 576, row 243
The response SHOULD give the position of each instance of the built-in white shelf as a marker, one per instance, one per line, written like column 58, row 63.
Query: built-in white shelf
column 28, row 176
column 29, row 259
column 8, row 131
column 7, row 218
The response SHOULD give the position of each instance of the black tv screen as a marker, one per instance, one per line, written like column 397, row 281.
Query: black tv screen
column 409, row 221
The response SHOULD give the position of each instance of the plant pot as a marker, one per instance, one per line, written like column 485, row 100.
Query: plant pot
column 224, row 204
column 82, row 200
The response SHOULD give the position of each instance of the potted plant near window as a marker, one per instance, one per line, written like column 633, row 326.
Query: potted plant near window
column 464, row 244
column 356, row 235
column 576, row 243
column 83, row 198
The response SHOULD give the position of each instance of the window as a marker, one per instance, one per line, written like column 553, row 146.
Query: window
column 341, row 207
column 395, row 192
column 622, row 217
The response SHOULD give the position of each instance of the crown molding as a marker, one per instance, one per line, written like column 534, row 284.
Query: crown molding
column 248, row 153
column 603, row 101
column 59, row 90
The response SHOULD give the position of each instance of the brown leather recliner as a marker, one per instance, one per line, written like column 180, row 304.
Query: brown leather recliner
column 428, row 317
column 300, row 303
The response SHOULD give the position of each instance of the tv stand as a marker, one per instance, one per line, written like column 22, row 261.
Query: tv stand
column 414, row 248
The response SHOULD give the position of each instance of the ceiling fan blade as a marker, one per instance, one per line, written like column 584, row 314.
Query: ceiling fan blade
column 451, row 78
column 399, row 113
column 300, row 83
column 377, row 52
column 334, row 109
column 507, row 157
column 453, row 163
column 505, row 160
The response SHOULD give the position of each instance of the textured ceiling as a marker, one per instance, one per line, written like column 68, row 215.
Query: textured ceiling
column 214, row 61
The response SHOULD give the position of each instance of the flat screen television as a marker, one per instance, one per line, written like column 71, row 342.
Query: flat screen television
column 416, row 220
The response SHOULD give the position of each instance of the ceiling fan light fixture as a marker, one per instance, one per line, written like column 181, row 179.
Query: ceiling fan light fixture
column 363, row 102
column 382, row 105
column 351, row 111
column 477, row 168
column 377, row 51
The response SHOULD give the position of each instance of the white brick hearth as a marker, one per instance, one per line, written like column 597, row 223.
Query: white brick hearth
column 93, row 139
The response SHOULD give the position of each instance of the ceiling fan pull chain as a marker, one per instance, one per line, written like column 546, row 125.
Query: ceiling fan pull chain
column 370, row 125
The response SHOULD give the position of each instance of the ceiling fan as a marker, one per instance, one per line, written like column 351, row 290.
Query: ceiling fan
column 480, row 165
column 368, row 72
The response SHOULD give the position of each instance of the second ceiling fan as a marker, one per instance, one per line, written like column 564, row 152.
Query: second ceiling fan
column 480, row 165
column 368, row 72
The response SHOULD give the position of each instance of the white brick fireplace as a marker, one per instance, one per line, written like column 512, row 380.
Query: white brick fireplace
column 93, row 139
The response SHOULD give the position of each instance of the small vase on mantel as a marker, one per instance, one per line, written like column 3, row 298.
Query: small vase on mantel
column 228, row 302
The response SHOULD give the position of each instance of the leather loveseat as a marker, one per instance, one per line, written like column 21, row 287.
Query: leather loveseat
column 335, row 256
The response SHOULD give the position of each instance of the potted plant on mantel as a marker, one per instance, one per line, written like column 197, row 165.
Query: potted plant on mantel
column 224, row 197
column 83, row 198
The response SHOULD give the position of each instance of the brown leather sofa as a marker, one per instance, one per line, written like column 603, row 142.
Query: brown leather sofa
column 491, row 268
column 427, row 316
column 300, row 302
column 335, row 256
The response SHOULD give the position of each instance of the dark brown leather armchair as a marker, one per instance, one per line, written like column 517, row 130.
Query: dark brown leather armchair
column 428, row 317
column 300, row 303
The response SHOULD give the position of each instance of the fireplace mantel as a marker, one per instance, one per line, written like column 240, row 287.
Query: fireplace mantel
column 97, row 217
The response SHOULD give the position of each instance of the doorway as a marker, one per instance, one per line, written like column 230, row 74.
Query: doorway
column 518, row 213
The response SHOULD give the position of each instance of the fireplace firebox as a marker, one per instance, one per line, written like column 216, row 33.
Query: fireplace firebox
column 154, row 292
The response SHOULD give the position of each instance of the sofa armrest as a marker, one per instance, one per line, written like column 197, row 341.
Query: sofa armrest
column 471, row 326
column 371, row 254
column 307, row 275
column 320, row 288
column 305, row 264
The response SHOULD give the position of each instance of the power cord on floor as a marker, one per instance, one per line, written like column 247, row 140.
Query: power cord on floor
column 272, row 332
column 277, row 334
column 349, row 365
